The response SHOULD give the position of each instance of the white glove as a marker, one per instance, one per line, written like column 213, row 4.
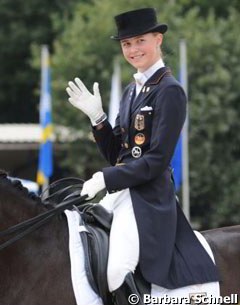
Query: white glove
column 94, row 185
column 90, row 104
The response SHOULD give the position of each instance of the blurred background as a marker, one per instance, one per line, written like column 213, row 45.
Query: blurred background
column 77, row 36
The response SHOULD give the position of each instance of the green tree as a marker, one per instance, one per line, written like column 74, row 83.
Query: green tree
column 23, row 23
column 219, row 8
column 214, row 120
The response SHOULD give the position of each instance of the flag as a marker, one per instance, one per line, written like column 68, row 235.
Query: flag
column 178, row 159
column 115, row 93
column 45, row 164
column 176, row 164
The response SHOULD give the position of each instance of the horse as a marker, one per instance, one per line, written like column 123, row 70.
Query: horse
column 225, row 244
column 35, row 265
column 35, row 270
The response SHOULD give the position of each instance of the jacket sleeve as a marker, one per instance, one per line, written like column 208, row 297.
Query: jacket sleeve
column 168, row 120
column 108, row 140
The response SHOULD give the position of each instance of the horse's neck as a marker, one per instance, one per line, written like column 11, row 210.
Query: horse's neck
column 44, row 246
column 16, row 207
column 36, row 262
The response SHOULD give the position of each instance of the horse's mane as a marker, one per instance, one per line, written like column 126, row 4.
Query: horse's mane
column 18, row 185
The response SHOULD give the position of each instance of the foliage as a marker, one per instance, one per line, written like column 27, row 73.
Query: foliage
column 219, row 8
column 21, row 24
column 214, row 111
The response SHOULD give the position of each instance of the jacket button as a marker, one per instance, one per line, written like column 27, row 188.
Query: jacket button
column 122, row 130
column 126, row 145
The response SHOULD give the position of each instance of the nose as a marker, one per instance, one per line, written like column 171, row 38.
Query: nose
column 133, row 49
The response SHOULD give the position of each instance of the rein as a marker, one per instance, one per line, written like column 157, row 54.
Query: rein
column 36, row 222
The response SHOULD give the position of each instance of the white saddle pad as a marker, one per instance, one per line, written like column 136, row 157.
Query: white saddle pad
column 84, row 294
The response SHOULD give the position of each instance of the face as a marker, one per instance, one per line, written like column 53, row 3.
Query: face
column 142, row 51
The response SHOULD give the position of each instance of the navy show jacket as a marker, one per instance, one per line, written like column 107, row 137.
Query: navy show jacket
column 170, row 254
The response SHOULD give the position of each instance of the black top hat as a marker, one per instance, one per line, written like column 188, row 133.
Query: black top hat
column 137, row 22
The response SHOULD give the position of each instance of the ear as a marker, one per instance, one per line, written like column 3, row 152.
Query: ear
column 159, row 38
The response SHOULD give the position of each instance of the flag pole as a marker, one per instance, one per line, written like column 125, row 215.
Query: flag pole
column 115, row 95
column 185, row 156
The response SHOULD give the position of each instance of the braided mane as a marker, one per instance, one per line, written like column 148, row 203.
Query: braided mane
column 18, row 185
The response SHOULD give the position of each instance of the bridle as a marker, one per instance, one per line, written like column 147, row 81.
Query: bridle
column 64, row 193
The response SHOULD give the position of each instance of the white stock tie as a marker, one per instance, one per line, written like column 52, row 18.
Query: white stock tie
column 140, row 79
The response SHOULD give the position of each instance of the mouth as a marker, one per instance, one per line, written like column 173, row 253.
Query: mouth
column 137, row 57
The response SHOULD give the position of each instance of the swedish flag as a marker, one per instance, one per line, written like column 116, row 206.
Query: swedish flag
column 45, row 164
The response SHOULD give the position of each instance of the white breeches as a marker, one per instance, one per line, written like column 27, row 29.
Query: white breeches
column 124, row 240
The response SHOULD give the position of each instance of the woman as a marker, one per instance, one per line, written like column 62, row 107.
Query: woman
column 148, row 227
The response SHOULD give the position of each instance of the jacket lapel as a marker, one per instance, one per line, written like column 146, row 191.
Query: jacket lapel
column 148, row 87
column 126, row 109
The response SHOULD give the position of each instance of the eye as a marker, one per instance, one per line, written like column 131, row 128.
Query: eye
column 140, row 40
column 125, row 44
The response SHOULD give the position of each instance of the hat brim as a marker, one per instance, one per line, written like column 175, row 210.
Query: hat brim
column 160, row 28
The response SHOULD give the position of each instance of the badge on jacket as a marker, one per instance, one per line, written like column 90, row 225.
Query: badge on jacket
column 136, row 152
column 139, row 123
column 139, row 138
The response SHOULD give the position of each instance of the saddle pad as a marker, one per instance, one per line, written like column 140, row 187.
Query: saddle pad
column 83, row 292
column 183, row 295
column 205, row 244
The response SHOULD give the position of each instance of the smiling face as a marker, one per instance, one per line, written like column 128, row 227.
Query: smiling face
column 142, row 51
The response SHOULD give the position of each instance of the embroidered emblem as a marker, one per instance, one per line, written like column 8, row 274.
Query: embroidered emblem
column 136, row 152
column 139, row 138
column 139, row 122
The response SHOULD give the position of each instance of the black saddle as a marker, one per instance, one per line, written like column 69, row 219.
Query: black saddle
column 95, row 238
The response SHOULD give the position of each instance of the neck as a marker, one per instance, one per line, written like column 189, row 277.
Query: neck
column 153, row 68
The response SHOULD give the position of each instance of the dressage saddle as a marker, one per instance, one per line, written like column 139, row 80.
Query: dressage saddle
column 96, row 221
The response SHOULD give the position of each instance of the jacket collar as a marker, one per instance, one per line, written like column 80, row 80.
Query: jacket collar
column 146, row 89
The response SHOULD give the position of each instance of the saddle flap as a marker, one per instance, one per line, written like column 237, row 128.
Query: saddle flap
column 97, row 213
column 96, row 245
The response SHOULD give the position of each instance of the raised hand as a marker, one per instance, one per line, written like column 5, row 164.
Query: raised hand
column 90, row 104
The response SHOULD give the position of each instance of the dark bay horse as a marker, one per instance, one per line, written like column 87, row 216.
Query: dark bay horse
column 35, row 270
column 225, row 244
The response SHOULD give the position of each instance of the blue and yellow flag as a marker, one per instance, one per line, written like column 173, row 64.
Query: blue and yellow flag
column 45, row 163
